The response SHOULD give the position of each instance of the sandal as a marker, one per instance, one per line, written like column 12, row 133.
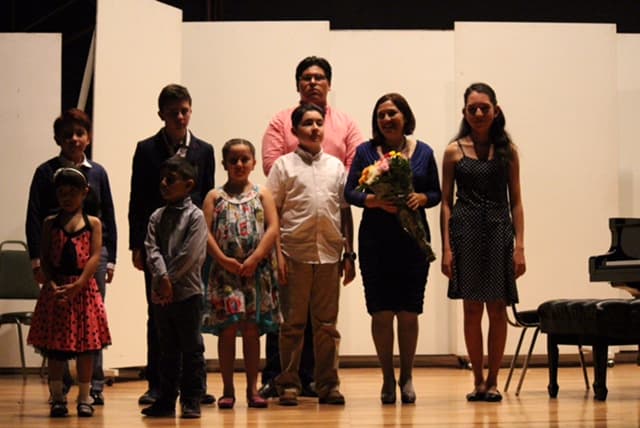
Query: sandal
column 493, row 395
column 85, row 410
column 477, row 394
column 58, row 409
column 225, row 402
column 256, row 401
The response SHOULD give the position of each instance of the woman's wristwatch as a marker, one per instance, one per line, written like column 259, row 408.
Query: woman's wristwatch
column 351, row 255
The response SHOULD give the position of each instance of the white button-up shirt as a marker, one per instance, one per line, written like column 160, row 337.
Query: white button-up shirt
column 309, row 194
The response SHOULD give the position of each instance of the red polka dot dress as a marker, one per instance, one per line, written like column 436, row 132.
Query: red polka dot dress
column 65, row 328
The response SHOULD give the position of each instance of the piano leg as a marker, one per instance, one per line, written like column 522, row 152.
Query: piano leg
column 552, row 360
column 600, row 350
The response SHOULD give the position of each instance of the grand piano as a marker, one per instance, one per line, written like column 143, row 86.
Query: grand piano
column 594, row 322
column 621, row 264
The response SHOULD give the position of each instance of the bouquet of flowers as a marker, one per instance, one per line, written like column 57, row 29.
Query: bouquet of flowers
column 390, row 179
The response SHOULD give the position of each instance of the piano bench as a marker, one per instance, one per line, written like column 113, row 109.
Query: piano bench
column 591, row 322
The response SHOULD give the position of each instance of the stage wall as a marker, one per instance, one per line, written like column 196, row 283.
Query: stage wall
column 567, row 91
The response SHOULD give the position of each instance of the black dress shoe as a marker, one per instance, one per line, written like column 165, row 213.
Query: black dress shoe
column 98, row 398
column 268, row 390
column 388, row 393
column 334, row 397
column 190, row 409
column 148, row 397
column 157, row 410
column 308, row 390
column 58, row 409
column 407, row 393
column 207, row 399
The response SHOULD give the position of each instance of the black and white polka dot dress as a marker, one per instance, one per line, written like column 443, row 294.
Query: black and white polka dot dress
column 481, row 233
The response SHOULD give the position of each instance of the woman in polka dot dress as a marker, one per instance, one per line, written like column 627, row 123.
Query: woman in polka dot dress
column 69, row 320
column 479, row 232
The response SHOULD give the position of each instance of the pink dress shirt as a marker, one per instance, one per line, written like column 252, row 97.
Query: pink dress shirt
column 341, row 136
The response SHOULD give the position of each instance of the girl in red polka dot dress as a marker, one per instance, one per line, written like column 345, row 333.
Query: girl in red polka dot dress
column 69, row 320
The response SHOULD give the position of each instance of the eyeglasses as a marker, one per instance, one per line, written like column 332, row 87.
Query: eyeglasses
column 316, row 77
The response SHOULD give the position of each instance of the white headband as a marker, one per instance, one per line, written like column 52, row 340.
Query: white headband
column 73, row 170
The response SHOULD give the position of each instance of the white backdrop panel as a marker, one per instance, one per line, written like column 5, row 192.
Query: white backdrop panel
column 241, row 74
column 628, row 119
column 30, row 87
column 422, row 71
column 138, row 51
column 556, row 84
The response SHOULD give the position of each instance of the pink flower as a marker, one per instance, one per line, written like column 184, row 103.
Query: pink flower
column 383, row 164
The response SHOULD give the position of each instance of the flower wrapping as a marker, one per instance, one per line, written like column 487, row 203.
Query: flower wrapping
column 390, row 178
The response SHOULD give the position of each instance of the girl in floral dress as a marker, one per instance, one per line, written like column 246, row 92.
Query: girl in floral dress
column 69, row 320
column 242, row 296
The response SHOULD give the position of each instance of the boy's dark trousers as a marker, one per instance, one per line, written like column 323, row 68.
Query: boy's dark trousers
column 182, row 364
column 152, row 369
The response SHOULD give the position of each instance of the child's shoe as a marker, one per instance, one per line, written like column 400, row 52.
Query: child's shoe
column 289, row 397
column 85, row 410
column 226, row 402
column 98, row 398
column 149, row 397
column 333, row 397
column 207, row 399
column 190, row 409
column 159, row 410
column 256, row 401
column 58, row 409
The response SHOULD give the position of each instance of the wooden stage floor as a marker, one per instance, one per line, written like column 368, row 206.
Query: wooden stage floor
column 440, row 403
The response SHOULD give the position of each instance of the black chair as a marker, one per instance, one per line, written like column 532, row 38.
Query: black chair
column 17, row 283
column 526, row 320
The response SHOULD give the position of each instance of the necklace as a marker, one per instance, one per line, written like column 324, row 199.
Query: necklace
column 402, row 147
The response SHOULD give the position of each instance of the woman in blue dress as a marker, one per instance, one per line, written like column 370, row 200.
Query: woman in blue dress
column 393, row 266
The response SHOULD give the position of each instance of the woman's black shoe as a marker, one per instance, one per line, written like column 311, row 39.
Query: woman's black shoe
column 388, row 394
column 407, row 393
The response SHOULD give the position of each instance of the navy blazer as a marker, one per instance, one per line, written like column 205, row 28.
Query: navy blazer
column 43, row 203
column 145, row 196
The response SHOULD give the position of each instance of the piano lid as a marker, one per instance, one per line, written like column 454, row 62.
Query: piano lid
column 621, row 264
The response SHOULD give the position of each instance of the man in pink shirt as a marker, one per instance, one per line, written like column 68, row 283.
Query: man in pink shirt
column 341, row 136
column 341, row 133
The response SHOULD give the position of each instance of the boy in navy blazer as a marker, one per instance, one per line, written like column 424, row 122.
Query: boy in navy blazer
column 174, row 139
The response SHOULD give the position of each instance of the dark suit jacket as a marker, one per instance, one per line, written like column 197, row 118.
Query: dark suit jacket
column 145, row 195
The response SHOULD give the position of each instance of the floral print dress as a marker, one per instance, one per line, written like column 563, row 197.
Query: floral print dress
column 238, row 228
